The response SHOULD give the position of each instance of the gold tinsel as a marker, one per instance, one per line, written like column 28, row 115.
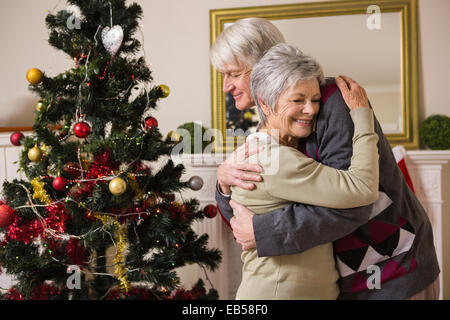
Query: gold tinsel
column 135, row 186
column 120, row 237
column 45, row 149
column 39, row 191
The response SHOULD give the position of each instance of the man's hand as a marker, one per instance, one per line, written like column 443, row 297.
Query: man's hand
column 234, row 171
column 354, row 95
column 242, row 224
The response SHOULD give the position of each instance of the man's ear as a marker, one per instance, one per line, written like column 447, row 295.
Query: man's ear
column 264, row 107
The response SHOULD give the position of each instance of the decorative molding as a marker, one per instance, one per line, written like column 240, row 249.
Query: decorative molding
column 428, row 157
column 430, row 174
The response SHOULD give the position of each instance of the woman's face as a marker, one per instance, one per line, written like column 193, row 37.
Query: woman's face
column 236, row 80
column 296, row 109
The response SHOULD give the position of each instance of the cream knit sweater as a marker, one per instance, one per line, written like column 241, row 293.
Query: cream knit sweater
column 290, row 176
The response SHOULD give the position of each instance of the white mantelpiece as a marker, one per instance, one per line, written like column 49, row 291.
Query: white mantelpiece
column 430, row 174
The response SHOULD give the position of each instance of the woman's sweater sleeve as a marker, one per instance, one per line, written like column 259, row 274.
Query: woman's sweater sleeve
column 290, row 175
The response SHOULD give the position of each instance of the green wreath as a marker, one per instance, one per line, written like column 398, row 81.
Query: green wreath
column 435, row 132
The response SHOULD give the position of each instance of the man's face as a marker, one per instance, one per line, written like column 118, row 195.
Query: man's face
column 296, row 109
column 236, row 80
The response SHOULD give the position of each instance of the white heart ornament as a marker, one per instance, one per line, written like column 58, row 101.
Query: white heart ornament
column 112, row 39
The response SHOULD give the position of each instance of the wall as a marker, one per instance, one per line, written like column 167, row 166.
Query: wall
column 176, row 43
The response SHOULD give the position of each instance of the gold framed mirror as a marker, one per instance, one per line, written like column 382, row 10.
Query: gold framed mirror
column 374, row 42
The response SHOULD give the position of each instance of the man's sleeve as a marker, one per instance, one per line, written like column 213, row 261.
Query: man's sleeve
column 299, row 227
column 223, row 204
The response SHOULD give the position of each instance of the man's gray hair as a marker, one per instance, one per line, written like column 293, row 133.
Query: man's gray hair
column 281, row 68
column 245, row 41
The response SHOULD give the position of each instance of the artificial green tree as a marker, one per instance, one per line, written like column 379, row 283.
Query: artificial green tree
column 92, row 198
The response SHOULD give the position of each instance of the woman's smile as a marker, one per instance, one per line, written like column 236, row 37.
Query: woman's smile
column 304, row 122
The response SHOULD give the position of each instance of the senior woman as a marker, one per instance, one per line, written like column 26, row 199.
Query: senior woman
column 285, row 84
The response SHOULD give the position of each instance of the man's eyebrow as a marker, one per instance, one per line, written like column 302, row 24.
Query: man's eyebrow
column 234, row 71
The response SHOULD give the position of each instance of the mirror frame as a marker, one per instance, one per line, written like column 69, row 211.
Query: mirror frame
column 409, row 137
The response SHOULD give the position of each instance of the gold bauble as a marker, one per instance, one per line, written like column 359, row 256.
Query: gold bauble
column 34, row 76
column 173, row 137
column 39, row 105
column 165, row 90
column 35, row 154
column 117, row 186
column 248, row 115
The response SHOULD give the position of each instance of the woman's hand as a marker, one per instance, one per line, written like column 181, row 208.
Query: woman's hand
column 354, row 95
column 234, row 171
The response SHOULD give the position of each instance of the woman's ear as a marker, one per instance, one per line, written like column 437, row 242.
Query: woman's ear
column 264, row 107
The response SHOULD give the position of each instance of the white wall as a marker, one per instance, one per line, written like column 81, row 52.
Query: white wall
column 177, row 37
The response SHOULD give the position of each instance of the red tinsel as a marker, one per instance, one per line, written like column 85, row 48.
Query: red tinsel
column 45, row 292
column 14, row 294
column 26, row 232
column 76, row 253
column 42, row 292
column 135, row 293
column 195, row 293
column 102, row 166
column 182, row 294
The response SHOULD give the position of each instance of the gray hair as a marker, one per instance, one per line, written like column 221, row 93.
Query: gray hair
column 281, row 68
column 244, row 41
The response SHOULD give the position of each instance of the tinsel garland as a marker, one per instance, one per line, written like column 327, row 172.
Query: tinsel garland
column 121, row 239
column 26, row 232
column 102, row 166
column 135, row 186
column 39, row 191
column 41, row 292
column 76, row 252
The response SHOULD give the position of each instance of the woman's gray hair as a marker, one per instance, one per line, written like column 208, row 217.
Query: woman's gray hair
column 244, row 41
column 281, row 68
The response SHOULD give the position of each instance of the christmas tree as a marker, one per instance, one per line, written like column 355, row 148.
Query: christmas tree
column 92, row 204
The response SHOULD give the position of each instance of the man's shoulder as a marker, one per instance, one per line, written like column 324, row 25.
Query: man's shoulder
column 332, row 102
column 328, row 89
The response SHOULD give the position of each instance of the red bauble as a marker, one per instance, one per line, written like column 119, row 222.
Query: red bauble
column 81, row 129
column 151, row 123
column 16, row 137
column 7, row 215
column 59, row 183
column 210, row 211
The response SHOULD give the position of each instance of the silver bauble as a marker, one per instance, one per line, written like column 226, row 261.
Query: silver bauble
column 195, row 183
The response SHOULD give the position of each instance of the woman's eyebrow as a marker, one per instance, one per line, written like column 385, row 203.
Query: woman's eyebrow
column 303, row 95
